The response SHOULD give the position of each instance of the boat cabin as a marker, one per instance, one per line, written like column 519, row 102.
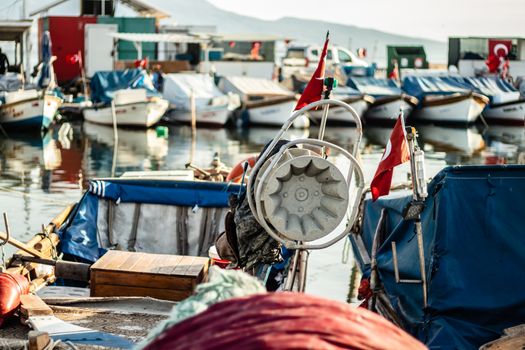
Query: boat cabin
column 469, row 54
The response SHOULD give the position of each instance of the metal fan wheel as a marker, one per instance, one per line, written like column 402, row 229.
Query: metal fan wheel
column 305, row 198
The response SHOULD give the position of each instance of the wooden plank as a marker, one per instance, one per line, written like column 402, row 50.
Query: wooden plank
column 108, row 259
column 38, row 340
column 184, row 265
column 106, row 290
column 144, row 280
column 32, row 305
column 166, row 266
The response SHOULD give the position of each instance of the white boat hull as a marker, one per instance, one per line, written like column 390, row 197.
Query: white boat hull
column 466, row 110
column 35, row 114
column 389, row 110
column 339, row 115
column 205, row 116
column 508, row 112
column 276, row 115
column 139, row 114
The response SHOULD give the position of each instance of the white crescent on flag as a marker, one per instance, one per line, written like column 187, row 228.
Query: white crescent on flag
column 388, row 149
column 501, row 46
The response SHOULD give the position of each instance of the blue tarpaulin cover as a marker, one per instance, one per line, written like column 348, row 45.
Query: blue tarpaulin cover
column 104, row 84
column 420, row 87
column 374, row 86
column 474, row 253
column 79, row 236
column 496, row 89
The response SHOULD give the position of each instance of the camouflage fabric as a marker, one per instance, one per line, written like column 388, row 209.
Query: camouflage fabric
column 255, row 245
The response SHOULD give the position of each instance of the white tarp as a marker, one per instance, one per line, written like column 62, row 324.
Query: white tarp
column 178, row 88
column 245, row 86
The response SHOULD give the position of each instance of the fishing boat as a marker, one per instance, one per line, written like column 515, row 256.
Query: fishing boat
column 388, row 97
column 506, row 104
column 338, row 115
column 264, row 102
column 443, row 100
column 419, row 253
column 127, row 96
column 28, row 109
column 212, row 107
column 25, row 107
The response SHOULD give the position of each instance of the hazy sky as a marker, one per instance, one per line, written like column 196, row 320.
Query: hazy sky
column 436, row 19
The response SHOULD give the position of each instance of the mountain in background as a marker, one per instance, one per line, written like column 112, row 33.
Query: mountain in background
column 201, row 12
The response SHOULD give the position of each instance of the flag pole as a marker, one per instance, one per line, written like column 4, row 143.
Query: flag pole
column 419, row 194
column 329, row 85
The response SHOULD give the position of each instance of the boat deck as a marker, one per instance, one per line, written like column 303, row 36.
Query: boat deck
column 131, row 318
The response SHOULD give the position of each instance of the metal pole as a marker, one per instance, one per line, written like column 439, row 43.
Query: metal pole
column 115, row 138
column 419, row 232
column 193, row 111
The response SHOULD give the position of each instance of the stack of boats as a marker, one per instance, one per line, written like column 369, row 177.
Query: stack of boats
column 131, row 99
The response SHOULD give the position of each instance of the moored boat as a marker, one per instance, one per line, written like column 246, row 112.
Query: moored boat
column 388, row 97
column 28, row 109
column 212, row 107
column 338, row 115
column 506, row 105
column 136, row 102
column 443, row 101
column 264, row 102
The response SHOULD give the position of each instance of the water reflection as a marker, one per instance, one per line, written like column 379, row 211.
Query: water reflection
column 40, row 175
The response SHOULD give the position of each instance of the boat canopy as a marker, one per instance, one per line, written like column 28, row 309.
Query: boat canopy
column 152, row 209
column 496, row 89
column 12, row 82
column 346, row 91
column 421, row 86
column 104, row 84
column 178, row 89
column 245, row 86
column 374, row 86
column 474, row 254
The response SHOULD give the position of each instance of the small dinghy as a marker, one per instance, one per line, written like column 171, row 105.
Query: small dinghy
column 212, row 107
column 388, row 97
column 444, row 100
column 136, row 102
column 264, row 102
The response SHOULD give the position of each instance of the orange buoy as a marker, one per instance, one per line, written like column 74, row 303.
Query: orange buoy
column 11, row 288
column 235, row 175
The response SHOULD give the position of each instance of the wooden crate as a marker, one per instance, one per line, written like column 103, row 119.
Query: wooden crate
column 161, row 276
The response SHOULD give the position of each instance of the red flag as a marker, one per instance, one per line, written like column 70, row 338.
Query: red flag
column 396, row 152
column 498, row 52
column 315, row 87
column 395, row 72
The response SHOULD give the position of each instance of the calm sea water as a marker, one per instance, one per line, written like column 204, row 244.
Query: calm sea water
column 40, row 175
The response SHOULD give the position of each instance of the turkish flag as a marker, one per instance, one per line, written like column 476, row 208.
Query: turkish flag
column 314, row 88
column 396, row 152
column 498, row 52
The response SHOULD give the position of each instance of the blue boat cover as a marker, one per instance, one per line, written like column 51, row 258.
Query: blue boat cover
column 420, row 87
column 374, row 86
column 79, row 236
column 346, row 90
column 474, row 254
column 104, row 84
column 496, row 89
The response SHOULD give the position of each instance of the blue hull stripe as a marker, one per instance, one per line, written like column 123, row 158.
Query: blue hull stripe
column 36, row 122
